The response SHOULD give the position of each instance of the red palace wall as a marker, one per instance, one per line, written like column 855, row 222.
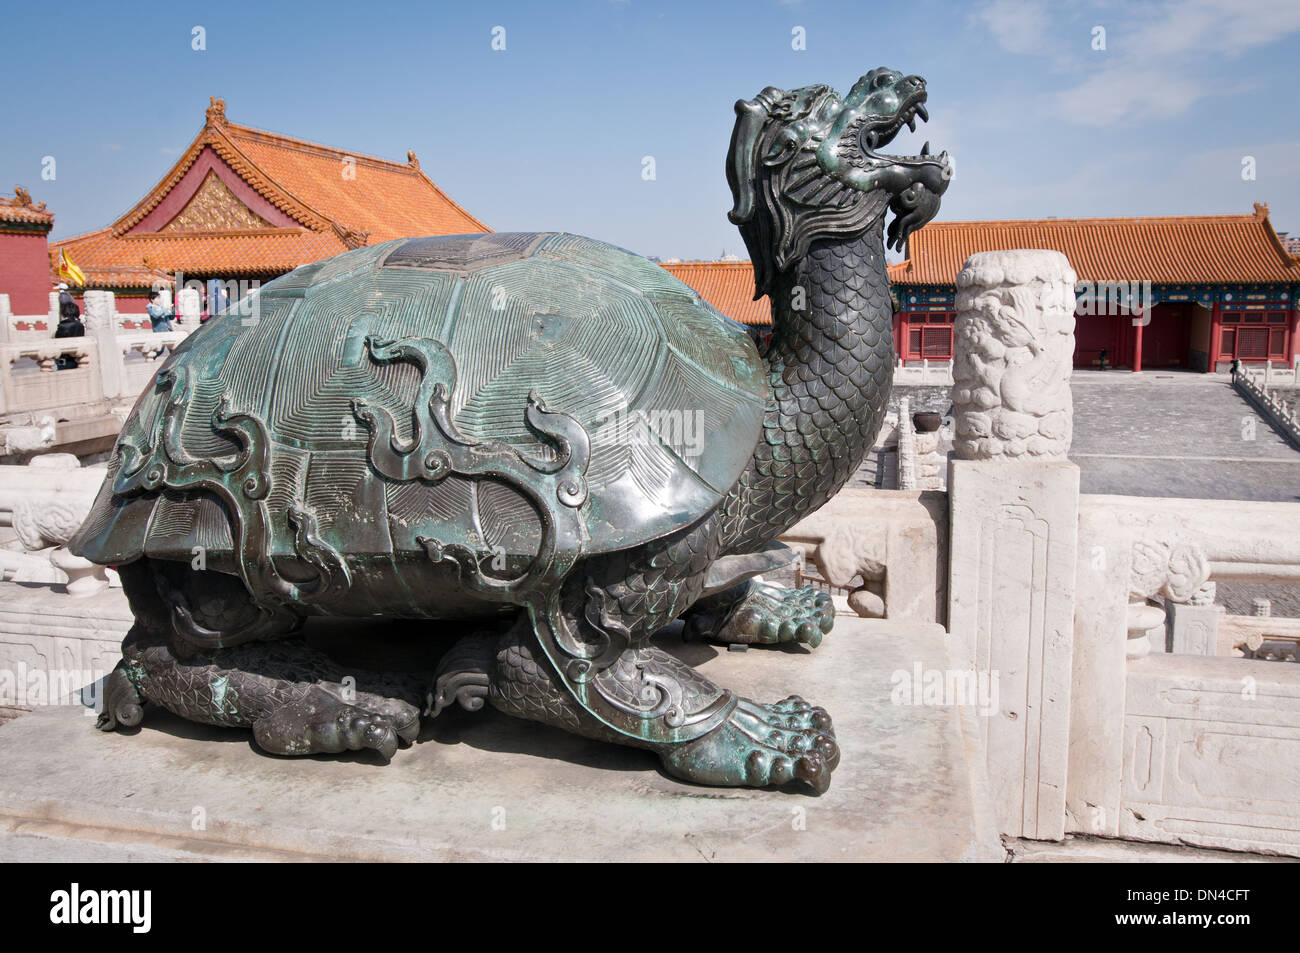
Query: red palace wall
column 25, row 272
column 130, row 304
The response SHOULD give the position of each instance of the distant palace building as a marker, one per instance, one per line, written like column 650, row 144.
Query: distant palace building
column 243, row 204
column 24, row 264
column 1222, row 286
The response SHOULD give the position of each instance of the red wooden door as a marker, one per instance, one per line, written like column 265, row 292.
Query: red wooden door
column 1167, row 338
column 1092, row 333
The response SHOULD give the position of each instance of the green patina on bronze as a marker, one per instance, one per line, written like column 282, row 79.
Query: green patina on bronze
column 540, row 432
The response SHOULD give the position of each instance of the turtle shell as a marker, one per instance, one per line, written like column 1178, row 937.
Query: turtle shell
column 360, row 403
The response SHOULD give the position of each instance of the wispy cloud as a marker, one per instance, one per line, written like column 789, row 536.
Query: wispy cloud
column 1158, row 60
column 1222, row 27
column 1128, row 93
column 1104, row 185
column 1019, row 26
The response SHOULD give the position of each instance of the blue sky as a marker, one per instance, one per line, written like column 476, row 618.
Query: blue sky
column 550, row 133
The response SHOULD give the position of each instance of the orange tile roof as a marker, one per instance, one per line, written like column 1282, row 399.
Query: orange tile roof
column 1182, row 249
column 385, row 199
column 21, row 210
column 374, row 201
column 727, row 285
column 112, row 261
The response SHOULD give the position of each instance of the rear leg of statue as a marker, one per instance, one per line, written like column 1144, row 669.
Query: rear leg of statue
column 296, row 699
column 747, row 744
column 760, row 613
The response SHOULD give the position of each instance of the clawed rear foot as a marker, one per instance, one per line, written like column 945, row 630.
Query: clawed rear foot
column 761, row 745
column 295, row 698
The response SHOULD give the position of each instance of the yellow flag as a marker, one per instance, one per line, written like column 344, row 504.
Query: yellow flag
column 68, row 269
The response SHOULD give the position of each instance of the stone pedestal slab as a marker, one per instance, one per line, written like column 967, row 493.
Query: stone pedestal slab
column 483, row 786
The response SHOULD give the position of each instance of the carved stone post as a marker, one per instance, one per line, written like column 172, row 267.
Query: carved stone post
column 6, row 316
column 906, row 447
column 1014, row 501
column 189, row 306
column 101, row 324
column 1193, row 629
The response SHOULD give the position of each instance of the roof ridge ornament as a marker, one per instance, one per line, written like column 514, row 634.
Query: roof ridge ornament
column 413, row 160
column 352, row 237
column 1261, row 210
column 216, row 111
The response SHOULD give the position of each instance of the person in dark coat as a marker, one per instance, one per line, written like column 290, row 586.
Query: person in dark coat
column 70, row 326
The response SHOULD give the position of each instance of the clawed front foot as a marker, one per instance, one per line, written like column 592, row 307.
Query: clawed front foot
column 759, row 613
column 760, row 745
column 322, row 723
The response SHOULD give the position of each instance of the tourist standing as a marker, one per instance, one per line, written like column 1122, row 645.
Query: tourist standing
column 160, row 317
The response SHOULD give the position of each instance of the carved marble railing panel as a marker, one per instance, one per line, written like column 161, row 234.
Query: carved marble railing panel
column 926, row 372
column 888, row 547
column 27, row 327
column 1242, row 540
column 34, row 381
column 51, row 644
column 43, row 504
column 116, row 358
column 30, row 327
column 1211, row 749
column 1131, row 550
column 142, row 354
column 1241, row 635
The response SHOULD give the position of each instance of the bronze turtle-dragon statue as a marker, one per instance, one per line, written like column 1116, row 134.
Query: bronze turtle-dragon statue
column 509, row 429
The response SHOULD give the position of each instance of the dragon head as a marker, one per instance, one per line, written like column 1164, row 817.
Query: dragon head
column 806, row 164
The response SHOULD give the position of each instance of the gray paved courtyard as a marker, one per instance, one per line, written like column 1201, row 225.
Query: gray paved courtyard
column 1171, row 433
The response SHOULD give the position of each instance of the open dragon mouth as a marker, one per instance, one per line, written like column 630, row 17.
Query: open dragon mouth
column 873, row 137
column 808, row 162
